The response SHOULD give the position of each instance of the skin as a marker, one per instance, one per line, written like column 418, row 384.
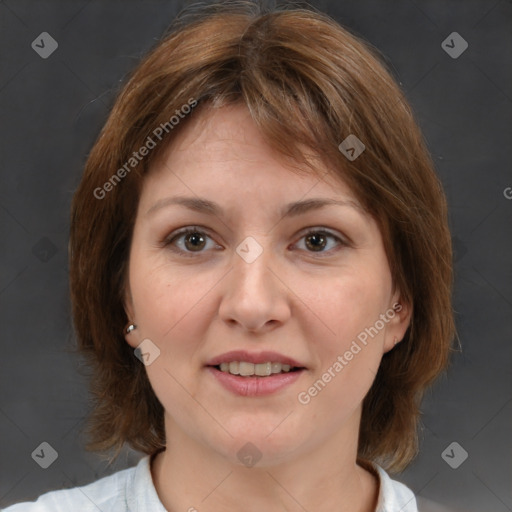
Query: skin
column 306, row 304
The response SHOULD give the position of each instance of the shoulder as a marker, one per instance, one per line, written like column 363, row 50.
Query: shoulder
column 108, row 493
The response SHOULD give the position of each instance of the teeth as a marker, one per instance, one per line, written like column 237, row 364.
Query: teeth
column 245, row 368
column 263, row 369
column 248, row 369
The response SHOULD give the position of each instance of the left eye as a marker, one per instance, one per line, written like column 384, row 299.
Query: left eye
column 318, row 240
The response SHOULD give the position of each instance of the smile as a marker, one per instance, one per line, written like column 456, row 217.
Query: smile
column 254, row 374
column 251, row 384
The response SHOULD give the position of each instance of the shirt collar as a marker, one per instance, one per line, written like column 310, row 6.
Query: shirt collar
column 393, row 495
column 141, row 495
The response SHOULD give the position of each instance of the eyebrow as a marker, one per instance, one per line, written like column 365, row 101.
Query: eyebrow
column 294, row 209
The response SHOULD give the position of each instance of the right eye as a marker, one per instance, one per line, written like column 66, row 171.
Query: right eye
column 188, row 241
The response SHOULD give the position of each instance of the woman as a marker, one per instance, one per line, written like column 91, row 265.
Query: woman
column 261, row 273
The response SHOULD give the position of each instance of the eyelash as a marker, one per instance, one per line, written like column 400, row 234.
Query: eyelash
column 169, row 241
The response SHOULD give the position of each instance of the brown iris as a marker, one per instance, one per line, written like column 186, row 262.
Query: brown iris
column 194, row 241
column 318, row 241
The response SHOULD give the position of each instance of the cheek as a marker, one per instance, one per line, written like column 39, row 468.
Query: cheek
column 349, row 352
column 168, row 304
column 348, row 304
column 345, row 366
column 171, row 311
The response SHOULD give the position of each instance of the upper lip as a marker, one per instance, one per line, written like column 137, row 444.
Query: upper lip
column 253, row 357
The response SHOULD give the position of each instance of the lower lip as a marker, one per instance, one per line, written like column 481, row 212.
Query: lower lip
column 255, row 386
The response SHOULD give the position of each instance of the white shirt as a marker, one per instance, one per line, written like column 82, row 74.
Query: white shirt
column 132, row 490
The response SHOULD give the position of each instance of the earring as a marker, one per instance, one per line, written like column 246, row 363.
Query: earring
column 396, row 341
column 130, row 328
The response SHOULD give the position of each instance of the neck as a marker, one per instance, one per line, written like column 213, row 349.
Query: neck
column 190, row 476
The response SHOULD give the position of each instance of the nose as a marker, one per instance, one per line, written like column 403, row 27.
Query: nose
column 254, row 296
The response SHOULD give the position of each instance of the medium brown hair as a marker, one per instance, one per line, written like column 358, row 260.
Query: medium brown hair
column 308, row 84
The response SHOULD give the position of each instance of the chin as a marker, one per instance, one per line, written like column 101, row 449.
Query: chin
column 260, row 444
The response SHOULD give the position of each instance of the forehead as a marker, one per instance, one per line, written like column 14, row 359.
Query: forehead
column 222, row 152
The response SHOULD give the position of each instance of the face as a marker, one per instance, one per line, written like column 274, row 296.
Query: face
column 234, row 274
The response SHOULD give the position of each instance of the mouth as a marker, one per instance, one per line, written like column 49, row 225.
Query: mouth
column 255, row 374
column 247, row 369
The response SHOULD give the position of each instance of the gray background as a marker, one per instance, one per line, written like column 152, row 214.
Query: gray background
column 52, row 109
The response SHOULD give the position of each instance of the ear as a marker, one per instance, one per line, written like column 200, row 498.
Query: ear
column 130, row 337
column 399, row 315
